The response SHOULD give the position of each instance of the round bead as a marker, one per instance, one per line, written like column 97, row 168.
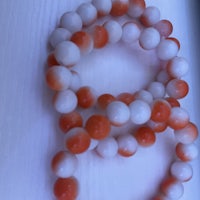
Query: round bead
column 167, row 49
column 88, row 13
column 77, row 140
column 58, row 78
column 65, row 101
column 107, row 148
column 144, row 95
column 130, row 32
column 64, row 164
column 98, row 127
column 100, row 36
column 75, row 81
column 136, row 8
column 187, row 134
column 104, row 100
column 59, row 35
column 175, row 40
column 186, row 152
column 164, row 27
column 119, row 7
column 114, row 30
column 103, row 6
column 157, row 126
column 163, row 77
column 67, row 53
column 157, row 90
column 66, row 188
column 71, row 21
column 173, row 102
column 51, row 60
column 149, row 38
column 118, row 113
column 69, row 121
column 181, row 171
column 140, row 112
column 178, row 118
column 127, row 145
column 177, row 88
column 126, row 98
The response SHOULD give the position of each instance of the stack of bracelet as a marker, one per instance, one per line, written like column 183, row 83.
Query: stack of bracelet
column 152, row 109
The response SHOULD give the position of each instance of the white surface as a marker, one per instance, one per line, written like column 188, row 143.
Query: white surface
column 29, row 136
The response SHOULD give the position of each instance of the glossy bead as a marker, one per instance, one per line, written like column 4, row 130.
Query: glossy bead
column 67, row 53
column 149, row 38
column 51, row 60
column 181, row 171
column 98, row 127
column 161, row 110
column 140, row 112
column 157, row 89
column 88, row 13
column 118, row 113
column 126, row 98
column 163, row 77
column 77, row 140
column 136, row 8
column 100, row 36
column 130, row 32
column 64, row 164
column 144, row 95
column 86, row 97
column 66, row 188
column 104, row 100
column 127, row 145
column 157, row 127
column 65, row 101
column 58, row 78
column 119, row 7
column 69, row 121
column 187, row 134
column 103, row 6
column 164, row 27
column 75, row 81
column 59, row 35
column 114, row 30
column 177, row 88
column 177, row 67
column 107, row 148
column 71, row 21
column 186, row 152
column 173, row 102
column 178, row 118
column 145, row 136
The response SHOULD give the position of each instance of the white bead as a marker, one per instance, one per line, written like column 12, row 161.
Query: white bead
column 177, row 67
column 163, row 77
column 103, row 6
column 167, row 49
column 93, row 144
column 136, row 8
column 140, row 112
column 75, row 81
column 182, row 171
column 88, row 13
column 107, row 148
column 149, row 38
column 114, row 30
column 157, row 90
column 118, row 112
column 67, row 53
column 65, row 101
column 145, row 96
column 71, row 21
column 130, row 32
column 59, row 35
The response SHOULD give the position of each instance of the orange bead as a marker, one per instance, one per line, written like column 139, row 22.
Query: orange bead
column 66, row 188
column 145, row 136
column 161, row 110
column 70, row 120
column 126, row 98
column 105, row 99
column 98, row 127
column 119, row 7
column 173, row 102
column 100, row 36
column 51, row 60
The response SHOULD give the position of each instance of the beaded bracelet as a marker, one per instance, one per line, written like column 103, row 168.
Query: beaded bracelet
column 152, row 109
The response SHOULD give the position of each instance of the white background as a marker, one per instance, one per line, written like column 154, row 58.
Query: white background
column 29, row 136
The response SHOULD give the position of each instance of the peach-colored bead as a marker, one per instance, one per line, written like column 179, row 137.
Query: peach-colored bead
column 164, row 27
column 100, row 36
column 126, row 98
column 136, row 8
column 98, row 127
column 173, row 102
column 119, row 7
column 51, row 60
column 157, row 127
column 105, row 99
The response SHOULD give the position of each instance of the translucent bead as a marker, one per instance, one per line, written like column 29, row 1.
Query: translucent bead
column 173, row 102
column 107, row 148
column 71, row 21
column 119, row 7
column 130, row 32
column 150, row 16
column 103, row 6
column 157, row 90
column 114, row 30
column 186, row 152
column 126, row 98
column 75, row 81
column 88, row 13
column 64, row 164
column 59, row 35
column 67, row 53
column 145, row 41
column 65, row 101
column 136, row 8
column 58, row 78
column 140, row 112
column 127, row 145
column 157, row 127
column 100, row 36
column 164, row 27
column 163, row 77
column 77, row 140
column 178, row 118
column 104, row 100
column 51, row 60
column 144, row 95
column 118, row 113
column 98, row 127
column 177, row 88
column 187, row 134
column 181, row 171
